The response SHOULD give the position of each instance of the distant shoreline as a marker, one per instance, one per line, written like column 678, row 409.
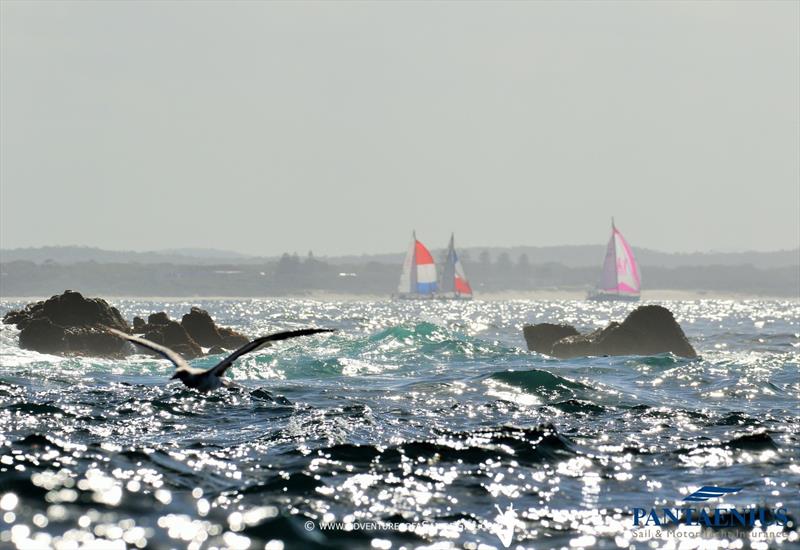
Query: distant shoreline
column 658, row 295
column 503, row 278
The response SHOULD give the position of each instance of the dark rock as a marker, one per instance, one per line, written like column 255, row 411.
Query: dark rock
column 175, row 337
column 648, row 330
column 69, row 309
column 160, row 318
column 20, row 317
column 95, row 341
column 200, row 326
column 139, row 325
column 232, row 339
column 155, row 321
column 43, row 336
column 216, row 350
column 541, row 337
column 583, row 344
column 69, row 324
column 196, row 329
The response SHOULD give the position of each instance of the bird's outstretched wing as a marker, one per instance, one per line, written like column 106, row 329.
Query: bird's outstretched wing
column 220, row 368
column 164, row 351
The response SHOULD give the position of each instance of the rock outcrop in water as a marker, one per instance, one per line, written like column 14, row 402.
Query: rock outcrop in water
column 648, row 330
column 195, row 331
column 200, row 326
column 138, row 325
column 175, row 337
column 541, row 337
column 155, row 322
column 69, row 324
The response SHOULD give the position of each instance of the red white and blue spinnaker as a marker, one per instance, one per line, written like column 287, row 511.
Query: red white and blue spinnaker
column 419, row 272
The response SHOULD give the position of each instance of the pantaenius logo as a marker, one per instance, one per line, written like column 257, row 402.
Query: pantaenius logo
column 706, row 492
column 715, row 518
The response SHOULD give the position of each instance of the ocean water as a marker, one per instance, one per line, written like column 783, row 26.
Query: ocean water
column 415, row 425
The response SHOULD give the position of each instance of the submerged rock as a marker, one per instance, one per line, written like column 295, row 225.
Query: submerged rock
column 69, row 324
column 648, row 330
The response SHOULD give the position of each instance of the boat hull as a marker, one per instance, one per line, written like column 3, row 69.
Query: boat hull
column 427, row 297
column 451, row 296
column 612, row 297
column 413, row 297
column 456, row 297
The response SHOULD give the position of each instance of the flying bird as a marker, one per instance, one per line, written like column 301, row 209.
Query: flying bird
column 211, row 379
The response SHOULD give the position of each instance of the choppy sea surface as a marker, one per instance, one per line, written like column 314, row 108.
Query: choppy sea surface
column 417, row 424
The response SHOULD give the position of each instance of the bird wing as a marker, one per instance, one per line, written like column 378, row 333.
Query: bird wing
column 164, row 351
column 220, row 368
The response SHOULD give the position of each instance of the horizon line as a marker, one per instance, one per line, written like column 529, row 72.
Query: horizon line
column 182, row 250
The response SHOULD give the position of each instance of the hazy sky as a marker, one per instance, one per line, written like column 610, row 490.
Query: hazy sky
column 338, row 127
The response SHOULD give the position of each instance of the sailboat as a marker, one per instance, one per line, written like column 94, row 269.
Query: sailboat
column 621, row 280
column 418, row 280
column 454, row 284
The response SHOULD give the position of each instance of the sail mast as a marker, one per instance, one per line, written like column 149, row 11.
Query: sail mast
column 614, row 238
column 451, row 261
column 414, row 261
